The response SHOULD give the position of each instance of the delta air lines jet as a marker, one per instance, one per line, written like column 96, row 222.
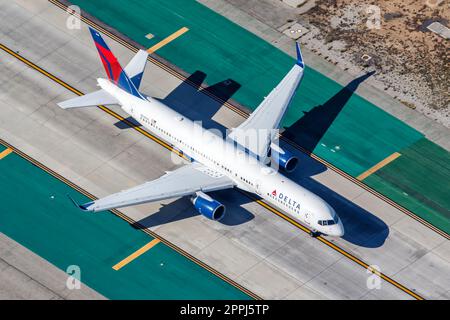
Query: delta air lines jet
column 217, row 163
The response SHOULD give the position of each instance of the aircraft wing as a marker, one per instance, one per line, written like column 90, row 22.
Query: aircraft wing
column 181, row 182
column 257, row 132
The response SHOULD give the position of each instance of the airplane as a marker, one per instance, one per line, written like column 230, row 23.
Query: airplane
column 217, row 163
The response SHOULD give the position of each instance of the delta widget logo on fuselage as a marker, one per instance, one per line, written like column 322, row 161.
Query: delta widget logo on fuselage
column 287, row 200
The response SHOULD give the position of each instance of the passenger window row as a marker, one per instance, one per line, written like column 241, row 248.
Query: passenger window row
column 283, row 203
column 153, row 124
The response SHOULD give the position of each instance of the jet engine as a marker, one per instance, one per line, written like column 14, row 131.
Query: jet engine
column 285, row 159
column 207, row 206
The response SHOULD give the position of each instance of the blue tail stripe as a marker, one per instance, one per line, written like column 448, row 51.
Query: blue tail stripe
column 126, row 84
column 110, row 76
column 98, row 38
column 137, row 79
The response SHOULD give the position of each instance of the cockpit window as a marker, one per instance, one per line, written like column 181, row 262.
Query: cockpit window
column 328, row 222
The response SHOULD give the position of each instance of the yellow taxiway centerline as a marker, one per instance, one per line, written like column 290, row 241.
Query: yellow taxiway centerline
column 5, row 152
column 378, row 166
column 136, row 254
column 165, row 41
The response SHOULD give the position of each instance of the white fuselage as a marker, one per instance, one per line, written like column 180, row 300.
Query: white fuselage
column 223, row 156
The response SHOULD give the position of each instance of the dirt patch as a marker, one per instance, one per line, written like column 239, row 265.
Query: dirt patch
column 412, row 63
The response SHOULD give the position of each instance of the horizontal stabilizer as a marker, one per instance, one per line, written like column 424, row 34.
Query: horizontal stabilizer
column 95, row 98
column 136, row 66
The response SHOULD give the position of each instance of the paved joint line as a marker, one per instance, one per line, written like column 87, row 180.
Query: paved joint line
column 5, row 152
column 165, row 41
column 30, row 278
column 378, row 166
column 136, row 254
column 154, row 138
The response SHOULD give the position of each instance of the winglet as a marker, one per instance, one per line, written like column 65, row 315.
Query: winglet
column 299, row 56
column 79, row 206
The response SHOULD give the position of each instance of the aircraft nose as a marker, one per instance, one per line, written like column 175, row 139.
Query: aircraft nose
column 338, row 230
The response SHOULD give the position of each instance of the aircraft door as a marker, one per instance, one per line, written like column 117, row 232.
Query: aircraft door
column 258, row 187
column 308, row 217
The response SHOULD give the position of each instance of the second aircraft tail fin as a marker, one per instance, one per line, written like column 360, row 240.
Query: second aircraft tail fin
column 135, row 68
column 100, row 97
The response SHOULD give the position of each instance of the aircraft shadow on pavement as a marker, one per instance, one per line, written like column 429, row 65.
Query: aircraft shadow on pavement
column 233, row 201
column 309, row 129
column 361, row 227
column 193, row 102
column 129, row 122
column 182, row 208
column 307, row 166
column 179, row 209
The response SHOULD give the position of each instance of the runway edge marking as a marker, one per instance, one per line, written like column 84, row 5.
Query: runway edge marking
column 246, row 115
column 5, row 152
column 162, row 143
column 378, row 166
column 168, row 39
column 136, row 254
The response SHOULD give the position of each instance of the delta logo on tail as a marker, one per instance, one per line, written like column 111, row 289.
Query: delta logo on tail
column 109, row 61
column 112, row 66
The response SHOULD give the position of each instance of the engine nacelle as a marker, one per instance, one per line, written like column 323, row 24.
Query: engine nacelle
column 285, row 159
column 207, row 206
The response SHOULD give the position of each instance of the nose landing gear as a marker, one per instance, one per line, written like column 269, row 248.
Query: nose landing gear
column 314, row 234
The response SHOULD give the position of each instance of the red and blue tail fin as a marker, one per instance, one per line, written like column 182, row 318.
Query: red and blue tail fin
column 112, row 67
